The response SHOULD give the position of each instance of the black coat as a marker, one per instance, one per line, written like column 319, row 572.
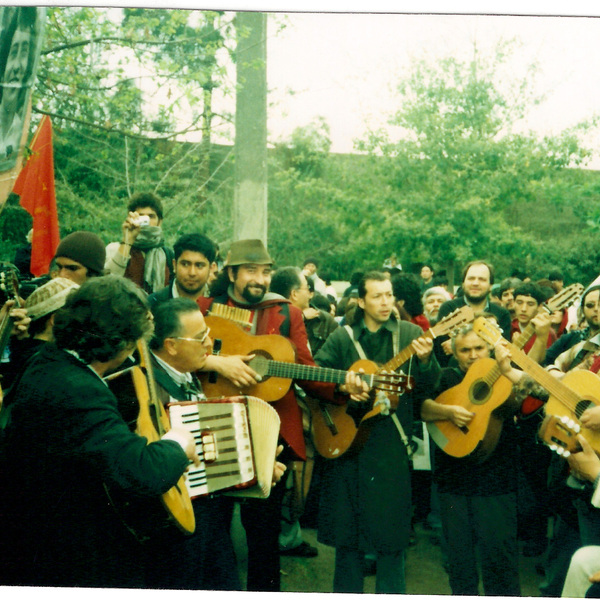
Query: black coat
column 366, row 496
column 65, row 439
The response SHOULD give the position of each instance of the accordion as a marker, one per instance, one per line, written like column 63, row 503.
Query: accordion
column 236, row 439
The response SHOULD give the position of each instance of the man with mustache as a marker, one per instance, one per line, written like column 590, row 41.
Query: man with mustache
column 244, row 283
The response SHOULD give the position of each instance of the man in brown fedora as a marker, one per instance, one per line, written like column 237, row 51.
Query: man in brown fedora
column 244, row 283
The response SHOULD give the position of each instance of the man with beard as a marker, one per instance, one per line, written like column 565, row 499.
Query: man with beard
column 141, row 255
column 477, row 281
column 194, row 262
column 433, row 298
column 244, row 283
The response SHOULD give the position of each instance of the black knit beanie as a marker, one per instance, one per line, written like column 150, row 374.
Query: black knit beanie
column 84, row 247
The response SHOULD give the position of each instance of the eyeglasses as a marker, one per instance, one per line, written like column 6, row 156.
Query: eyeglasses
column 200, row 339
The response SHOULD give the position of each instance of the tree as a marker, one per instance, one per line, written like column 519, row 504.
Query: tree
column 122, row 88
column 459, row 167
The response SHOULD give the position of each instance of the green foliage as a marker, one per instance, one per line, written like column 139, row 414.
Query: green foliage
column 458, row 169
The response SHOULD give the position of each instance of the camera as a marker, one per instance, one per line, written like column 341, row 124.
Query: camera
column 143, row 221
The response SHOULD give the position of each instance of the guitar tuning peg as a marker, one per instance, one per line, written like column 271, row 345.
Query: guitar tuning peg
column 560, row 451
column 577, row 428
column 566, row 454
column 564, row 419
column 553, row 447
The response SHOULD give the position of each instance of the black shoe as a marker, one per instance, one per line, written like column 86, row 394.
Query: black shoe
column 305, row 550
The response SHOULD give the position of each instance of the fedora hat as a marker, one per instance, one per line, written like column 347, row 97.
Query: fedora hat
column 244, row 252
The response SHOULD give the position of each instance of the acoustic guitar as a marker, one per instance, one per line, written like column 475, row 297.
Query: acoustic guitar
column 484, row 392
column 339, row 428
column 274, row 360
column 570, row 396
column 149, row 518
column 560, row 434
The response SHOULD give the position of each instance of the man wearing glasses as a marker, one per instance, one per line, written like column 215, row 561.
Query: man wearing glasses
column 204, row 560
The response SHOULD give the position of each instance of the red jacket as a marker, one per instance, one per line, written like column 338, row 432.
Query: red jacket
column 269, row 319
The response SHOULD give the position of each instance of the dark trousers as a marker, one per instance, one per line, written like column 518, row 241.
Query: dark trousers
column 349, row 572
column 490, row 524
column 261, row 519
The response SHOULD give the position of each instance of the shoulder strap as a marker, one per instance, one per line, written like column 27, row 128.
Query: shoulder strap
column 284, row 330
column 361, row 353
column 359, row 348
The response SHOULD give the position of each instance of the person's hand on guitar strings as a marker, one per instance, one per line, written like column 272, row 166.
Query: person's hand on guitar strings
column 234, row 368
column 503, row 356
column 20, row 319
column 356, row 386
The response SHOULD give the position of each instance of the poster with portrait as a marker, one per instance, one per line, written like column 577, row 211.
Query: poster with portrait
column 21, row 30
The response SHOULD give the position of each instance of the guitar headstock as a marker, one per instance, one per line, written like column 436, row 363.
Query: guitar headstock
column 395, row 383
column 560, row 433
column 487, row 331
column 9, row 283
column 461, row 316
column 564, row 298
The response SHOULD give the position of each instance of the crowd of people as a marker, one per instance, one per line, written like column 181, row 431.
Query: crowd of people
column 70, row 445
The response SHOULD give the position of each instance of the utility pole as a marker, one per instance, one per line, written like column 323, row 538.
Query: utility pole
column 250, row 193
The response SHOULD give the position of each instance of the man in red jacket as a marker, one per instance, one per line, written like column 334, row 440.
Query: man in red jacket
column 244, row 283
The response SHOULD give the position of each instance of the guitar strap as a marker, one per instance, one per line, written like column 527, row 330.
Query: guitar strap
column 396, row 349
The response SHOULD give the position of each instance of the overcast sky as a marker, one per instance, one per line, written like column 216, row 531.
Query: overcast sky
column 345, row 67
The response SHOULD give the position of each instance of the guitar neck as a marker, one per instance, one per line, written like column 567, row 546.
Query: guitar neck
column 309, row 373
column 5, row 329
column 405, row 354
column 555, row 387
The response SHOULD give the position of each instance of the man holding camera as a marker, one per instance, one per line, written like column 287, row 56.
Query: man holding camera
column 141, row 254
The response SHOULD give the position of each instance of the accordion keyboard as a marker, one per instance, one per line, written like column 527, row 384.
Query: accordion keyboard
column 223, row 442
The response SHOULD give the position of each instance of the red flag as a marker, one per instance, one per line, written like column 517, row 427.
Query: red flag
column 35, row 185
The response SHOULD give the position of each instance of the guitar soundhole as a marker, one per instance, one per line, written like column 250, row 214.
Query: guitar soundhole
column 480, row 392
column 260, row 363
column 582, row 407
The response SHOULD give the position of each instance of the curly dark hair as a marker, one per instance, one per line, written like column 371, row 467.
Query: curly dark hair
column 195, row 242
column 146, row 200
column 406, row 287
column 102, row 318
